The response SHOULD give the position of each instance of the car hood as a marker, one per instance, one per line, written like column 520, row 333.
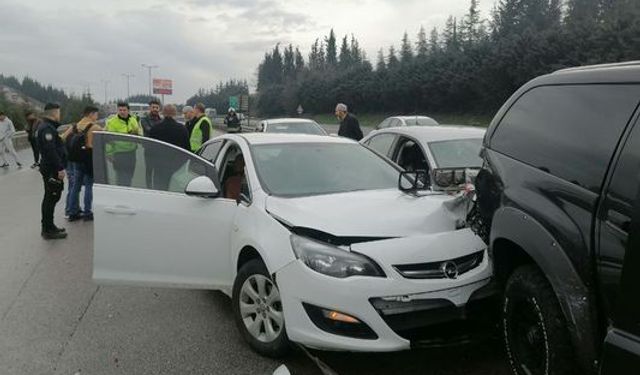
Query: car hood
column 377, row 213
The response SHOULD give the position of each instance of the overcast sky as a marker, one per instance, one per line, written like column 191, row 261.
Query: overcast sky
column 75, row 44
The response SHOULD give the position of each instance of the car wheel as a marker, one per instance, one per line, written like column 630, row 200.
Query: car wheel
column 257, row 309
column 535, row 331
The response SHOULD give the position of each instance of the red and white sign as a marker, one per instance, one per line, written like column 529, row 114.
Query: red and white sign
column 162, row 86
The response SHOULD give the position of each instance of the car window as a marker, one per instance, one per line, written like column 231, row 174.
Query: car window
column 395, row 123
column 301, row 169
column 211, row 150
column 410, row 156
column 296, row 128
column 420, row 121
column 143, row 163
column 233, row 173
column 457, row 153
column 384, row 123
column 382, row 143
column 568, row 131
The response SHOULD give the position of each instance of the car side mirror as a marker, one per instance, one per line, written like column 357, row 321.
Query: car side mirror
column 413, row 181
column 202, row 186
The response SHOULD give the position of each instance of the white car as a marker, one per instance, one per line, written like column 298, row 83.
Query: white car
column 290, row 125
column 397, row 121
column 309, row 235
column 426, row 148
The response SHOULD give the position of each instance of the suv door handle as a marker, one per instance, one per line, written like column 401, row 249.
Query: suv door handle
column 120, row 210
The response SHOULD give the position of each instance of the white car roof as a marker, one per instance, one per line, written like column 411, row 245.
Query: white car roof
column 412, row 117
column 273, row 138
column 287, row 120
column 435, row 133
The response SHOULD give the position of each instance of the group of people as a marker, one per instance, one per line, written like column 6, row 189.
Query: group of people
column 70, row 154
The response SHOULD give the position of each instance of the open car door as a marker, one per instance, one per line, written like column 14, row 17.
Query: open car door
column 157, row 219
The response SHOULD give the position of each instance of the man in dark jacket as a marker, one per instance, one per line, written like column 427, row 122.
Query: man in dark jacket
column 52, row 165
column 170, row 131
column 349, row 125
column 152, row 118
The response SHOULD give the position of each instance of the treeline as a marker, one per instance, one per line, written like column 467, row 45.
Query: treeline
column 72, row 106
column 218, row 97
column 472, row 65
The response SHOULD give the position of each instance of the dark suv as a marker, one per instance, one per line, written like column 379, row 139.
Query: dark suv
column 558, row 201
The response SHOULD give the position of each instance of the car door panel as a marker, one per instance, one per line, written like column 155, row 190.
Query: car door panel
column 148, row 236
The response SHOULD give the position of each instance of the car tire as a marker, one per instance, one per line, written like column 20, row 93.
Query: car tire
column 534, row 329
column 257, row 310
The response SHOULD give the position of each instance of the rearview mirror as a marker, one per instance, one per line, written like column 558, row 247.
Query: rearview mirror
column 202, row 186
column 413, row 181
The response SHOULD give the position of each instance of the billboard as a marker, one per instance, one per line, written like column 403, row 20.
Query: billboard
column 162, row 86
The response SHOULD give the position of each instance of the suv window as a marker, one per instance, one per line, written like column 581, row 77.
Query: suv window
column 568, row 131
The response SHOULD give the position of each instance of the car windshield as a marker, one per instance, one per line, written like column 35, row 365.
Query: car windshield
column 295, row 127
column 457, row 153
column 299, row 169
column 420, row 121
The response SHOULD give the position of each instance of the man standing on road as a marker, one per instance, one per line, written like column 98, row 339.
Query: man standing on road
column 187, row 112
column 202, row 129
column 349, row 125
column 52, row 166
column 7, row 130
column 79, row 141
column 123, row 153
column 32, row 126
column 152, row 118
column 231, row 120
column 170, row 131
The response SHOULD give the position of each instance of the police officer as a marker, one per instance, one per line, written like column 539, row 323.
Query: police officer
column 52, row 165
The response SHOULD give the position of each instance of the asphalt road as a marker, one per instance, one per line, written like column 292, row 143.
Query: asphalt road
column 55, row 320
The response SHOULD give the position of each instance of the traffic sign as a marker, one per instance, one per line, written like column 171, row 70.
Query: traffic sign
column 233, row 102
column 244, row 103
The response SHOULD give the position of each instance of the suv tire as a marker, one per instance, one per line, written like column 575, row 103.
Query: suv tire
column 534, row 329
column 257, row 310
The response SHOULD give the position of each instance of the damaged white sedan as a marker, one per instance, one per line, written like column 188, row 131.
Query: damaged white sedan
column 316, row 239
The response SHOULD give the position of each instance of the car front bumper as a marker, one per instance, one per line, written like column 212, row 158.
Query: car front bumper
column 400, row 311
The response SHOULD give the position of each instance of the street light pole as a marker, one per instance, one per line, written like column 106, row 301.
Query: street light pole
column 149, row 67
column 105, row 83
column 128, row 76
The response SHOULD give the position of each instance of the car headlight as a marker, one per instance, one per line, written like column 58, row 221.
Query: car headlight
column 333, row 261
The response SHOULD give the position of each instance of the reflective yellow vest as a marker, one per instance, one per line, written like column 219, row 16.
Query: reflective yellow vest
column 117, row 125
column 196, row 133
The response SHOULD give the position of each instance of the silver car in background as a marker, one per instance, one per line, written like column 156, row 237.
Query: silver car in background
column 398, row 121
column 291, row 126
column 426, row 148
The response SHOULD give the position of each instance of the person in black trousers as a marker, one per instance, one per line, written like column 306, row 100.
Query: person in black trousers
column 52, row 166
column 32, row 126
column 170, row 131
column 349, row 125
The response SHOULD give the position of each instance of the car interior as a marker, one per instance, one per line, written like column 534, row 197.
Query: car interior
column 234, row 182
column 410, row 157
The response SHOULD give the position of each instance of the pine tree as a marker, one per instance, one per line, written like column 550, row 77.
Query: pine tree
column 422, row 45
column 392, row 59
column 331, row 51
column 434, row 41
column 406, row 51
column 380, row 64
column 345, row 55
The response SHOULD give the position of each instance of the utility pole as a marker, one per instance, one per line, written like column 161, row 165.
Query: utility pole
column 149, row 67
column 128, row 77
column 105, row 83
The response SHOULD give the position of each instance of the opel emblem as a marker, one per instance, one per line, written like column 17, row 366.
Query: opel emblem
column 449, row 269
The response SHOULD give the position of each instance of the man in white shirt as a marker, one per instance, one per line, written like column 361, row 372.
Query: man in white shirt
column 7, row 130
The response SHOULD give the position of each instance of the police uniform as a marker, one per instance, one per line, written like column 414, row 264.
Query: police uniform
column 53, row 160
